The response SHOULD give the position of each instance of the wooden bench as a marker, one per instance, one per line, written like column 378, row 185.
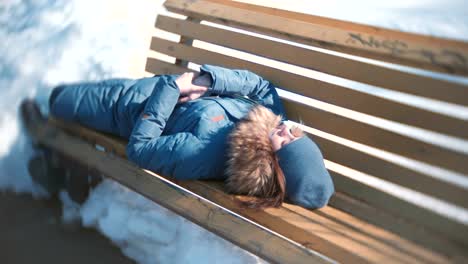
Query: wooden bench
column 367, row 134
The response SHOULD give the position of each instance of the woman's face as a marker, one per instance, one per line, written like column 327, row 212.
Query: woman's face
column 281, row 136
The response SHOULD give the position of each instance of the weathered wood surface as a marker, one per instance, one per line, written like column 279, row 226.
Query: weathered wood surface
column 380, row 76
column 329, row 237
column 419, row 51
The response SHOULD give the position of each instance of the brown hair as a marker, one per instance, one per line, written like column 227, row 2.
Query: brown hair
column 276, row 198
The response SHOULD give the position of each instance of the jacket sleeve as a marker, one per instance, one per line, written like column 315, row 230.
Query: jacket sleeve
column 243, row 82
column 166, row 154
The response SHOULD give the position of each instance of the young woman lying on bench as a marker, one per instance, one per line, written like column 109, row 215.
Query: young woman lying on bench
column 220, row 124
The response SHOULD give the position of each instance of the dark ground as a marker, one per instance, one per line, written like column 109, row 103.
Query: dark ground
column 31, row 231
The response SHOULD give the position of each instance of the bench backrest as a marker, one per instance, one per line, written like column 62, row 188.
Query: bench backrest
column 372, row 98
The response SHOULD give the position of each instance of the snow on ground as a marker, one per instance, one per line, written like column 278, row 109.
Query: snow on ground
column 47, row 42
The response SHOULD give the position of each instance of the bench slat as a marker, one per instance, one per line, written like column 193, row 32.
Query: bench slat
column 364, row 162
column 320, row 61
column 306, row 227
column 338, row 125
column 368, row 41
column 168, row 68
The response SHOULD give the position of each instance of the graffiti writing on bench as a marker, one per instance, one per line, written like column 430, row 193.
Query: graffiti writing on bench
column 444, row 58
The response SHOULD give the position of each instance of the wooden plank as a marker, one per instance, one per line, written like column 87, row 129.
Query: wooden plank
column 338, row 125
column 415, row 50
column 229, row 225
column 423, row 217
column 327, row 237
column 369, row 164
column 320, row 61
column 161, row 67
column 186, row 41
column 395, row 224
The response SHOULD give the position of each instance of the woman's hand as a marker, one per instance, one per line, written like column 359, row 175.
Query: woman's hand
column 190, row 89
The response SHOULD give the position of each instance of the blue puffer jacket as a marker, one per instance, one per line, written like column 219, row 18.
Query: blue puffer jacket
column 183, row 141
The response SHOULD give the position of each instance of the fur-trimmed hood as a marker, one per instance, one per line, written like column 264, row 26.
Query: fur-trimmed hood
column 251, row 159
